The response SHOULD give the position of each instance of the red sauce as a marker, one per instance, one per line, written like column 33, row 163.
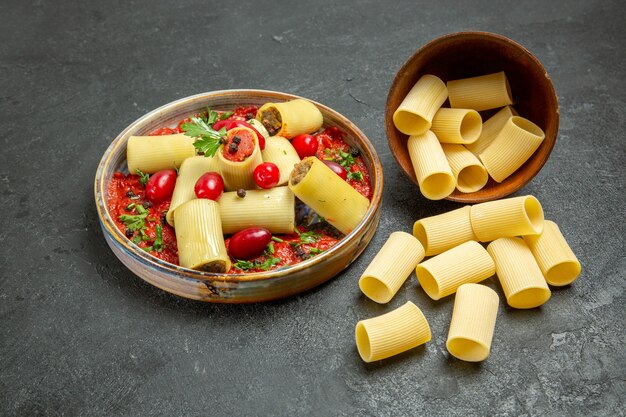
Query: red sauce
column 242, row 150
column 125, row 190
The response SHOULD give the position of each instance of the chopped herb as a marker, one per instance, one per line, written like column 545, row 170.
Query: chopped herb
column 143, row 177
column 277, row 239
column 130, row 194
column 284, row 152
column 208, row 140
column 345, row 159
column 265, row 265
column 158, row 244
column 315, row 251
column 130, row 206
column 134, row 221
column 136, row 240
column 226, row 115
column 270, row 249
column 309, row 237
column 327, row 152
column 269, row 262
column 244, row 265
column 356, row 175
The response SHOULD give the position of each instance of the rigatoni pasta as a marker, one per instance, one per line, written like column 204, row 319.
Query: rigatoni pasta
column 391, row 266
column 441, row 275
column 272, row 209
column 480, row 93
column 290, row 118
column 442, row 232
column 328, row 195
column 516, row 142
column 415, row 114
column 470, row 174
column 462, row 126
column 473, row 322
column 238, row 174
column 190, row 170
column 555, row 258
column 155, row 153
column 432, row 170
column 199, row 236
column 392, row 333
column 279, row 151
column 507, row 217
column 518, row 272
column 490, row 130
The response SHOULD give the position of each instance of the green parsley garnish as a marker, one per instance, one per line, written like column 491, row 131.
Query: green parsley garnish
column 355, row 175
column 265, row 265
column 345, row 159
column 244, row 265
column 226, row 115
column 135, row 221
column 143, row 177
column 270, row 249
column 309, row 237
column 315, row 251
column 208, row 140
column 158, row 244
column 277, row 239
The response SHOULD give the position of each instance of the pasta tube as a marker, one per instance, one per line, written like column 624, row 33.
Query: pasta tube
column 432, row 170
column 239, row 173
column 290, row 118
column 154, row 153
column 507, row 217
column 461, row 126
column 415, row 114
column 518, row 272
column 444, row 231
column 391, row 267
column 441, row 275
column 392, row 333
column 490, row 130
column 516, row 142
column 473, row 322
column 272, row 209
column 470, row 174
column 279, row 151
column 480, row 93
column 259, row 127
column 328, row 195
column 555, row 258
column 199, row 236
column 189, row 172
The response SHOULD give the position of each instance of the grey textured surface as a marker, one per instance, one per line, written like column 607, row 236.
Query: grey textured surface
column 81, row 335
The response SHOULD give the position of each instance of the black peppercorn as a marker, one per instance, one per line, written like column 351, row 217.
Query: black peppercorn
column 241, row 193
column 232, row 148
column 129, row 233
column 237, row 140
column 354, row 152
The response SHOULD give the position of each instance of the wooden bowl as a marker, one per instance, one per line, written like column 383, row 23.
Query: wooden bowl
column 469, row 54
column 231, row 288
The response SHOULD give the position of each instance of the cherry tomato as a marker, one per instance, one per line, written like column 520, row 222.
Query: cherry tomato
column 160, row 186
column 249, row 243
column 266, row 175
column 229, row 124
column 209, row 185
column 337, row 169
column 305, row 145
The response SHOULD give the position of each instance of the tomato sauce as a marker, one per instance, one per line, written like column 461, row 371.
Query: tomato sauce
column 239, row 145
column 126, row 192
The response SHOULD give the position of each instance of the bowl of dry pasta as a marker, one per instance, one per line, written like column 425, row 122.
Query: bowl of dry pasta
column 239, row 196
column 471, row 117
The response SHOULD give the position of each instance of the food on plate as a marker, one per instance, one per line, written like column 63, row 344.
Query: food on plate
column 227, row 145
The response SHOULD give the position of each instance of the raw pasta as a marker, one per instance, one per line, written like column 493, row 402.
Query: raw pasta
column 507, row 217
column 518, row 272
column 151, row 154
column 272, row 209
column 444, row 231
column 328, row 195
column 441, row 275
column 480, row 93
column 199, row 236
column 555, row 258
column 470, row 174
column 415, row 114
column 190, row 170
column 516, row 142
column 473, row 322
column 391, row 267
column 462, row 126
column 490, row 130
column 392, row 333
column 432, row 170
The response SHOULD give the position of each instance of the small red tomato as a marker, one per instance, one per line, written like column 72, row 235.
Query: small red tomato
column 266, row 175
column 305, row 145
column 209, row 185
column 337, row 169
column 160, row 186
column 249, row 243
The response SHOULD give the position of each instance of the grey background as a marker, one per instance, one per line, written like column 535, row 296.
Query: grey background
column 81, row 335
